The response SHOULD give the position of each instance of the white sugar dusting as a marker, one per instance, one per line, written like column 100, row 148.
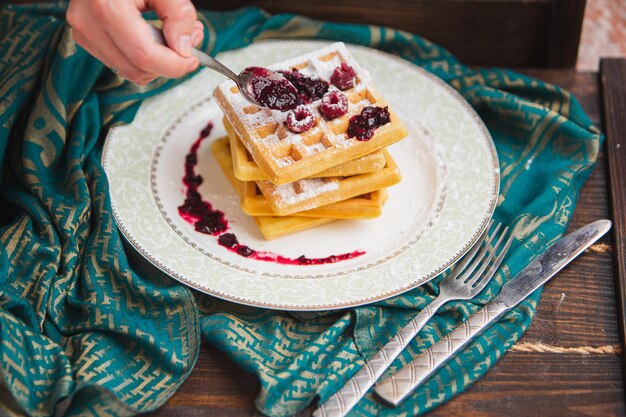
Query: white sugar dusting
column 309, row 188
column 315, row 148
column 317, row 65
column 283, row 162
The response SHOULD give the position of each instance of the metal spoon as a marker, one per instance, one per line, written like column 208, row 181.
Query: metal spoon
column 260, row 86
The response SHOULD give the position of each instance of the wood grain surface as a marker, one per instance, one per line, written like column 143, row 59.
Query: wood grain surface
column 577, row 314
column 613, row 77
column 512, row 33
column 530, row 33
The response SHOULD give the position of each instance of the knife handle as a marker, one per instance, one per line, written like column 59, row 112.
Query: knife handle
column 341, row 402
column 400, row 385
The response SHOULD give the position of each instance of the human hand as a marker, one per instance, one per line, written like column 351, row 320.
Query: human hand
column 115, row 32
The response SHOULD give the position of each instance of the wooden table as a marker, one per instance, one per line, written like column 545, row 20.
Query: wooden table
column 569, row 361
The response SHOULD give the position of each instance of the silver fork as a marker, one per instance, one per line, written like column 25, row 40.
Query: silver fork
column 466, row 281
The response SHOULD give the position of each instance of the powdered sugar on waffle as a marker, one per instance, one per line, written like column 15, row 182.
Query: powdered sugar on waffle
column 321, row 64
column 303, row 190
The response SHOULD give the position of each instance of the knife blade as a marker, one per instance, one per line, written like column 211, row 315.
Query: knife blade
column 397, row 387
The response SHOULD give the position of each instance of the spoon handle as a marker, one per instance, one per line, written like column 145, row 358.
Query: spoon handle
column 204, row 59
column 208, row 61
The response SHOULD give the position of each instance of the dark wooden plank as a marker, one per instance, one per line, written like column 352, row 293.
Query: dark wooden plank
column 513, row 33
column 577, row 309
column 530, row 33
column 216, row 387
column 565, row 29
column 539, row 384
column 613, row 76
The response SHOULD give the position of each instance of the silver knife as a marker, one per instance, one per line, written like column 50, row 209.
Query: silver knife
column 397, row 387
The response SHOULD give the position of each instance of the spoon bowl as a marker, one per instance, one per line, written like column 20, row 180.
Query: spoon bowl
column 267, row 88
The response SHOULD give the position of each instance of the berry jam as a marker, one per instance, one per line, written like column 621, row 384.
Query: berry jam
column 209, row 221
column 334, row 104
column 362, row 126
column 194, row 210
column 300, row 119
column 271, row 90
column 309, row 89
column 229, row 241
column 344, row 77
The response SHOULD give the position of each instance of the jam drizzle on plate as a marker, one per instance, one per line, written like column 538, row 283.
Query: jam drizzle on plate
column 195, row 210
column 207, row 220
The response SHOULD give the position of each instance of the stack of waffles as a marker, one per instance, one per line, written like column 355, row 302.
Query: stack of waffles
column 290, row 181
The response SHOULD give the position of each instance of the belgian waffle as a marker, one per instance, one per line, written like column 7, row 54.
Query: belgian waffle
column 366, row 206
column 254, row 203
column 274, row 227
column 309, row 193
column 246, row 169
column 271, row 227
column 285, row 156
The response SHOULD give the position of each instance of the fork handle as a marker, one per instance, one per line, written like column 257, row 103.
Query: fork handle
column 397, row 387
column 341, row 402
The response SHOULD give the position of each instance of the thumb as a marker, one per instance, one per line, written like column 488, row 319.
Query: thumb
column 178, row 18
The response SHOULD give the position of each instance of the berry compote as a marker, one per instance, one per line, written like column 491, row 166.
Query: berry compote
column 210, row 221
column 270, row 89
column 194, row 210
column 309, row 89
column 229, row 241
column 362, row 126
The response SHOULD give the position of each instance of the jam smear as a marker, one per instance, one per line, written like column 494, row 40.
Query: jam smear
column 229, row 241
column 194, row 210
column 207, row 220
column 362, row 126
column 309, row 89
column 271, row 90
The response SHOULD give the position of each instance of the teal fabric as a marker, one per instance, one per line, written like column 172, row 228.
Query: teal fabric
column 88, row 328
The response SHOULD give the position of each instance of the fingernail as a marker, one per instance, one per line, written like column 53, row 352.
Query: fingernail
column 197, row 37
column 184, row 45
column 193, row 66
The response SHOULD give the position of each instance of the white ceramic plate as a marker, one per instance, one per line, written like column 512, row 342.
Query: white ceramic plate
column 444, row 201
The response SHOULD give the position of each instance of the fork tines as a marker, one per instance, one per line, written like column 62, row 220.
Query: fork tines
column 488, row 252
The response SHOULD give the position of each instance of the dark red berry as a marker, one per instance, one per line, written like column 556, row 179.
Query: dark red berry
column 194, row 180
column 344, row 77
column 362, row 126
column 191, row 159
column 211, row 222
column 207, row 130
column 300, row 119
column 228, row 239
column 272, row 90
column 245, row 251
column 334, row 104
column 310, row 89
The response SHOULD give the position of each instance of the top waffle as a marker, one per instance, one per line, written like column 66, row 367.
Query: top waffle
column 286, row 156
